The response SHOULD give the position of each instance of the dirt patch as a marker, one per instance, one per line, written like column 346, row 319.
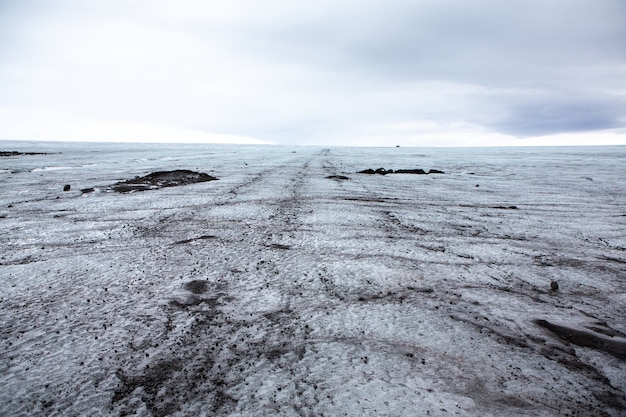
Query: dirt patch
column 161, row 179
column 152, row 380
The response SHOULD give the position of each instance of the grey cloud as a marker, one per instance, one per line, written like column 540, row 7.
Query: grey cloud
column 529, row 45
column 293, row 72
column 481, row 41
column 544, row 118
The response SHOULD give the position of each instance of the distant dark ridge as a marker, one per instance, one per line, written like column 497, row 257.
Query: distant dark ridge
column 16, row 153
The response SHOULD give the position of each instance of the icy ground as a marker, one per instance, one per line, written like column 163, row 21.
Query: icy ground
column 278, row 291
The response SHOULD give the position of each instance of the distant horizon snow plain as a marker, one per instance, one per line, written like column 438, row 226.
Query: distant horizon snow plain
column 295, row 286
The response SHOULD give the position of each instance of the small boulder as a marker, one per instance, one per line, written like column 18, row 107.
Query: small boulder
column 67, row 187
column 418, row 171
column 554, row 286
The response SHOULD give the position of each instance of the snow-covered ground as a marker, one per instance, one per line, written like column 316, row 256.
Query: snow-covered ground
column 278, row 291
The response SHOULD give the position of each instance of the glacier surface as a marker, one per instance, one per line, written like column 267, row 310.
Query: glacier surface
column 294, row 286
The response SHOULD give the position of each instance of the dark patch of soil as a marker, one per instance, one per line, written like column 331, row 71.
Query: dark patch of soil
column 591, row 338
column 152, row 380
column 383, row 171
column 338, row 177
column 161, row 179
column 505, row 207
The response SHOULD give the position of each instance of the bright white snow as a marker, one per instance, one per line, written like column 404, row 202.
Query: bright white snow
column 278, row 291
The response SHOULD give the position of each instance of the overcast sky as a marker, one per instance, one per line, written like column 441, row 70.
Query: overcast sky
column 342, row 72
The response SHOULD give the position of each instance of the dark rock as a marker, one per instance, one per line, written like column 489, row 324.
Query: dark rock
column 554, row 286
column 338, row 177
column 87, row 190
column 505, row 207
column 367, row 171
column 383, row 171
column 418, row 171
column 162, row 179
column 66, row 187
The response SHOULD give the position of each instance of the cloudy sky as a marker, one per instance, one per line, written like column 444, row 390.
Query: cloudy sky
column 325, row 72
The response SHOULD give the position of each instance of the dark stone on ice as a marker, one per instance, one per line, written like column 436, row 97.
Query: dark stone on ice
column 554, row 286
column 66, row 187
column 337, row 177
column 87, row 190
column 162, row 179
column 418, row 171
column 383, row 171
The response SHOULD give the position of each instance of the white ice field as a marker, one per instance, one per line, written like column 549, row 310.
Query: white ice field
column 276, row 291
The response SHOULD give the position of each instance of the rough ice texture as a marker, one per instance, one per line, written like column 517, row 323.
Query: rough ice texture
column 276, row 291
